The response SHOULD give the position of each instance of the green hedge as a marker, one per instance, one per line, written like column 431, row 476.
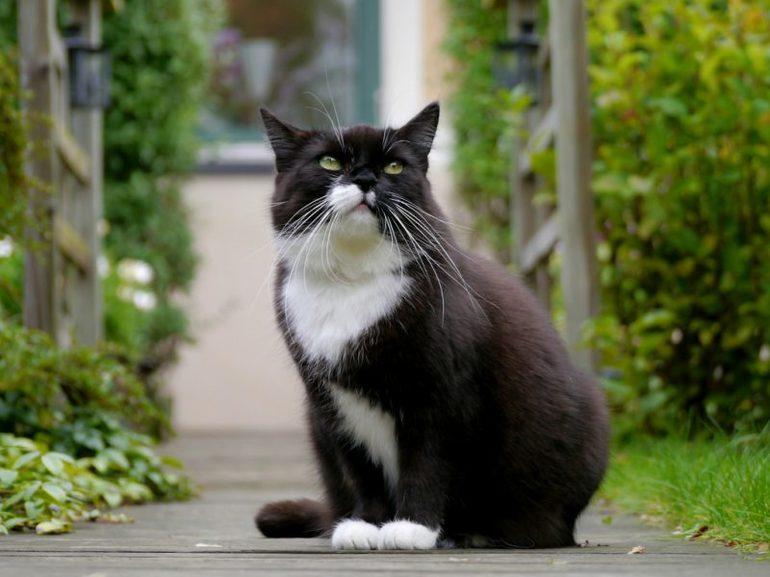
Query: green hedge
column 682, row 178
column 681, row 123
column 160, row 52
column 13, row 143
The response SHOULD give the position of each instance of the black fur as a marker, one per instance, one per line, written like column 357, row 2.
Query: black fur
column 498, row 434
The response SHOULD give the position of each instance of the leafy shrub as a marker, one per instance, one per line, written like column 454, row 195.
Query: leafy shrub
column 481, row 159
column 78, row 430
column 682, row 131
column 11, row 268
column 13, row 144
column 8, row 21
column 681, row 124
column 44, row 388
column 160, row 52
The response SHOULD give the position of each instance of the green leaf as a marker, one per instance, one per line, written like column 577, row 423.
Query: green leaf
column 25, row 459
column 53, row 462
column 670, row 106
column 113, row 498
column 53, row 527
column 8, row 476
column 172, row 462
column 55, row 492
column 14, row 522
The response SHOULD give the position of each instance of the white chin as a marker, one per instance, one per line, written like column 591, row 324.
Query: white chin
column 358, row 223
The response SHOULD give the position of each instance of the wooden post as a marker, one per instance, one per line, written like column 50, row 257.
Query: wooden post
column 522, row 186
column 62, row 293
column 87, row 200
column 38, row 65
column 573, row 145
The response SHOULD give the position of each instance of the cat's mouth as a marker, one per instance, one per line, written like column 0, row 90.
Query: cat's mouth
column 362, row 207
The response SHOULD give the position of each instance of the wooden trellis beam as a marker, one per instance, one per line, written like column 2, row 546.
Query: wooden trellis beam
column 62, row 289
column 560, row 118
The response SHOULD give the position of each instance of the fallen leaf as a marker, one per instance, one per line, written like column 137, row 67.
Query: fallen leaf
column 638, row 550
column 763, row 547
column 698, row 532
column 607, row 520
column 53, row 527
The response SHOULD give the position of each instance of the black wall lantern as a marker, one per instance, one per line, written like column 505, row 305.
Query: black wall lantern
column 89, row 73
column 515, row 61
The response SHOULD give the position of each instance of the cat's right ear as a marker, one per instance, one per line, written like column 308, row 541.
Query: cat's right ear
column 285, row 139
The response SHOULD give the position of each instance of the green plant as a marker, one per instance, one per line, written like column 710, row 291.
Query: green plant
column 78, row 434
column 11, row 268
column 682, row 131
column 47, row 490
column 711, row 489
column 681, row 125
column 8, row 21
column 481, row 155
column 43, row 388
column 150, row 141
column 13, row 145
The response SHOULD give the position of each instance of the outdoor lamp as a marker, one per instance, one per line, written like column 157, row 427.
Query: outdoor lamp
column 515, row 61
column 89, row 73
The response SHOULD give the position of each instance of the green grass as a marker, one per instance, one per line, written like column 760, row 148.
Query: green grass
column 722, row 485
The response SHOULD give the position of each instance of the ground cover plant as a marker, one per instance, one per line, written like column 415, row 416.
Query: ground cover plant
column 77, row 435
column 705, row 489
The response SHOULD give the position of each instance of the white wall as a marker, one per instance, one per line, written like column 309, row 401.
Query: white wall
column 400, row 60
column 238, row 374
column 402, row 68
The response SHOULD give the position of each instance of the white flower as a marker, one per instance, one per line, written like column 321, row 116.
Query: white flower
column 145, row 300
column 764, row 353
column 6, row 247
column 676, row 336
column 137, row 271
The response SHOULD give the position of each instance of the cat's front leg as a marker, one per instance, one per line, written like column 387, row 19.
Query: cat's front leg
column 361, row 529
column 422, row 493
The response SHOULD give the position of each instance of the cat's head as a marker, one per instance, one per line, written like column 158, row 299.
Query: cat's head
column 352, row 185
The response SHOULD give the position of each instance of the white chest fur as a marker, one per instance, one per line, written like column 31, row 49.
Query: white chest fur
column 370, row 427
column 326, row 315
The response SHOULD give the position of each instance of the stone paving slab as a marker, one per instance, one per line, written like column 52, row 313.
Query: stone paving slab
column 215, row 535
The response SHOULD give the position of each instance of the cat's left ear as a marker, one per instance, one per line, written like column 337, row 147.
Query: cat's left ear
column 420, row 130
column 285, row 139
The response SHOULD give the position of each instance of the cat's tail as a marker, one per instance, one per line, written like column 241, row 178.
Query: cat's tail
column 298, row 518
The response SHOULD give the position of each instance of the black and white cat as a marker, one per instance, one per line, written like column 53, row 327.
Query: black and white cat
column 442, row 406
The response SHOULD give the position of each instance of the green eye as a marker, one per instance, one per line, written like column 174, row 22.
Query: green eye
column 330, row 163
column 394, row 167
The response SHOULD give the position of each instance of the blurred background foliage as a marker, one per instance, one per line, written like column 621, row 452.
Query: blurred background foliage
column 681, row 130
column 161, row 56
column 78, row 426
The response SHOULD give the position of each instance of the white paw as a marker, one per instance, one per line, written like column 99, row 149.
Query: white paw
column 355, row 534
column 406, row 535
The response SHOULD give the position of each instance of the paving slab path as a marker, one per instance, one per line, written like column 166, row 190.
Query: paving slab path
column 214, row 534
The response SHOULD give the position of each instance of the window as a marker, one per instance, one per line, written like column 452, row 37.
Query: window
column 302, row 59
